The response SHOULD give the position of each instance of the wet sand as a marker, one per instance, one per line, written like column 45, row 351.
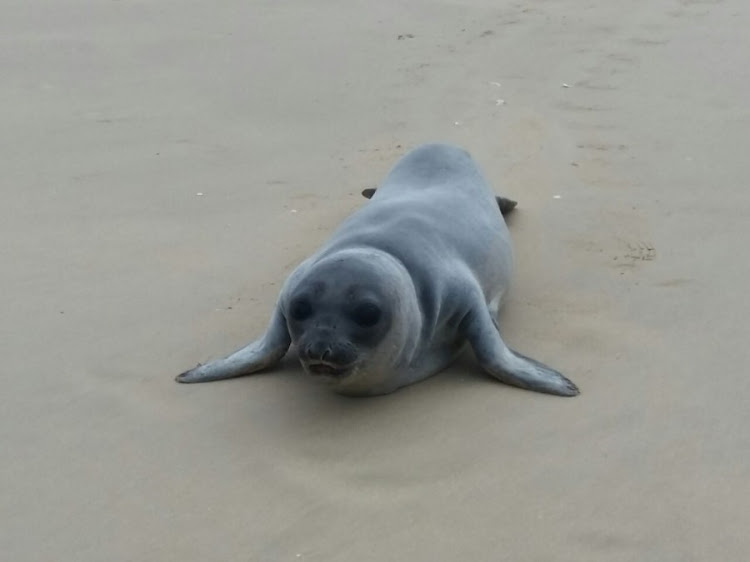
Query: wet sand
column 166, row 165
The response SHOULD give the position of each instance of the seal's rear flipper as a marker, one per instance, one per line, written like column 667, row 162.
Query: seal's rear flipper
column 509, row 366
column 258, row 355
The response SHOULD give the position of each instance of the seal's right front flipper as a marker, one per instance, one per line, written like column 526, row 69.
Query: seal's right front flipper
column 506, row 205
column 258, row 355
column 509, row 366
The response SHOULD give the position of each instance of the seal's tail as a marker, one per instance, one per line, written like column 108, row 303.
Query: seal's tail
column 506, row 205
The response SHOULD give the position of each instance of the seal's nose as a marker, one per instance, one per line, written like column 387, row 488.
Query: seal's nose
column 318, row 351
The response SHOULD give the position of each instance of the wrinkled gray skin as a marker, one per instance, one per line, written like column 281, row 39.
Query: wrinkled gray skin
column 402, row 286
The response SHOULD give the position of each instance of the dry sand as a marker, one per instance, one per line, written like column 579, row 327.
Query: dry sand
column 117, row 274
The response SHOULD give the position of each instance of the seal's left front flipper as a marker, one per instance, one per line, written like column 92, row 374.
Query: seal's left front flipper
column 254, row 357
column 509, row 366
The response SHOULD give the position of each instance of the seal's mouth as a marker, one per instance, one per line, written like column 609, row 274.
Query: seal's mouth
column 329, row 370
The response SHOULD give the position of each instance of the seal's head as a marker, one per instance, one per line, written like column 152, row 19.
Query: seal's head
column 351, row 316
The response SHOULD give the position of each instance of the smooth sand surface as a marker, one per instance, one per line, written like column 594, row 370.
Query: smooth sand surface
column 117, row 274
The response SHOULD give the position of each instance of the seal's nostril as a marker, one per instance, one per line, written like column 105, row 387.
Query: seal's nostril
column 318, row 350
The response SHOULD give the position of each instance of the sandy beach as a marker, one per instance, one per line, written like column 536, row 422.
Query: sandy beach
column 165, row 166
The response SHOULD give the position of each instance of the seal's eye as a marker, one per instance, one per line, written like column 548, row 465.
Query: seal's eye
column 366, row 314
column 301, row 310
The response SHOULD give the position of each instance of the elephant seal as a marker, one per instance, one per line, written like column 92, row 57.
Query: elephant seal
column 400, row 288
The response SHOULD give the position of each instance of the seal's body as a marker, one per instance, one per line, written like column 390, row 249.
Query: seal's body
column 401, row 287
